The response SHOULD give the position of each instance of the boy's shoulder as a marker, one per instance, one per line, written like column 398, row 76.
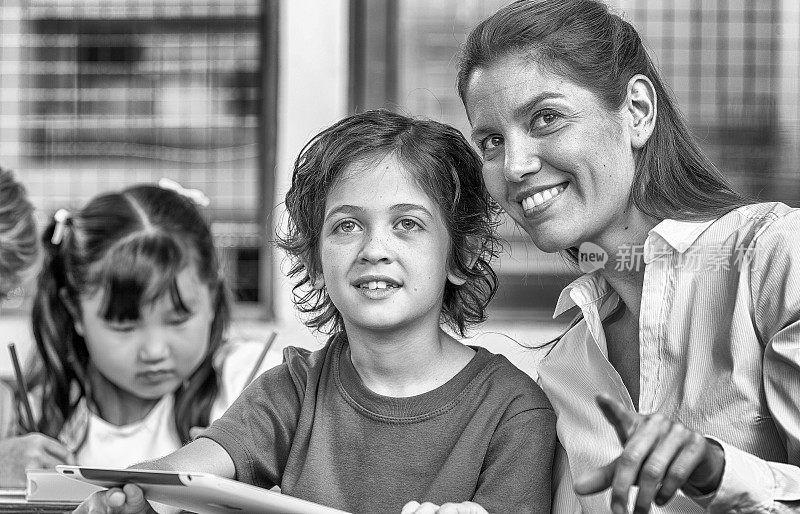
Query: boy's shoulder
column 506, row 379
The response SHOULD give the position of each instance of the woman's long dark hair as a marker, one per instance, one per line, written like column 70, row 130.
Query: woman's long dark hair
column 131, row 246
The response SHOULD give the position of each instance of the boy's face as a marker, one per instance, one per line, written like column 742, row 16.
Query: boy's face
column 384, row 249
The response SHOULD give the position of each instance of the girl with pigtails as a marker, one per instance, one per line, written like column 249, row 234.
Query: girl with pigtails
column 129, row 321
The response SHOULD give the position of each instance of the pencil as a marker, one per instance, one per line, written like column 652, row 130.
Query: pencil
column 22, row 388
column 260, row 359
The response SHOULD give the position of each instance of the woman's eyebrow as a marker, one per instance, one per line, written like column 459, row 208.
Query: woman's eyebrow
column 520, row 111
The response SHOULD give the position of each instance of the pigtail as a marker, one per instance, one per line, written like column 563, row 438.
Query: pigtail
column 60, row 365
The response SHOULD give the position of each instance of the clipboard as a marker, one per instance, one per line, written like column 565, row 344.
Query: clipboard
column 197, row 492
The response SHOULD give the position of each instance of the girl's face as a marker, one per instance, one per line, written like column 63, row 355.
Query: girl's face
column 150, row 357
column 384, row 249
column 555, row 158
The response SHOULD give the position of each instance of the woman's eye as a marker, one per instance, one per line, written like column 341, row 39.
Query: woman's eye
column 544, row 118
column 408, row 224
column 491, row 142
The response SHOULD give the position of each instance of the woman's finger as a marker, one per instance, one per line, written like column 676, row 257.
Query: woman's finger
column 683, row 466
column 410, row 507
column 639, row 447
column 595, row 480
column 657, row 464
column 621, row 418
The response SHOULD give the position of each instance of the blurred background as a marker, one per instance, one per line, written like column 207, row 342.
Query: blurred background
column 221, row 95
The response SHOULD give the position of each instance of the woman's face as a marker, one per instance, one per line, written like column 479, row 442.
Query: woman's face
column 555, row 158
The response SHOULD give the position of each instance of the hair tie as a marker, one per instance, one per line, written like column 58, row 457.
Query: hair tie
column 62, row 217
column 194, row 195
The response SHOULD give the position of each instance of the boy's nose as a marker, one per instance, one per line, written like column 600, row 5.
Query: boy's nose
column 375, row 248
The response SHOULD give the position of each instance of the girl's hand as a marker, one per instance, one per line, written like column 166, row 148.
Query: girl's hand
column 447, row 508
column 659, row 455
column 30, row 451
column 128, row 500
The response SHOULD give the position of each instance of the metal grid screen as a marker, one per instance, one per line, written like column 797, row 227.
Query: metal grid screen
column 99, row 94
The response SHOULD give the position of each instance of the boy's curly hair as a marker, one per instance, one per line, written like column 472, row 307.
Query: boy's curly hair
column 19, row 240
column 443, row 164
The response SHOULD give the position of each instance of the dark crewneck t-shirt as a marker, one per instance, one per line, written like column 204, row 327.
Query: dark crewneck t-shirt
column 313, row 428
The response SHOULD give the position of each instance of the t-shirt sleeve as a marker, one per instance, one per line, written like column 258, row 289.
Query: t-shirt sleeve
column 517, row 470
column 258, row 429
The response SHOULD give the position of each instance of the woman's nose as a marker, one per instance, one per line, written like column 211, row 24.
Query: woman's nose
column 521, row 159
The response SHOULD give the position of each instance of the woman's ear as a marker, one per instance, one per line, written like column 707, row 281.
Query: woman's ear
column 73, row 310
column 318, row 282
column 642, row 108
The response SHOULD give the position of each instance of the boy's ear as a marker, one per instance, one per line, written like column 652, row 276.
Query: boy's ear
column 73, row 310
column 470, row 258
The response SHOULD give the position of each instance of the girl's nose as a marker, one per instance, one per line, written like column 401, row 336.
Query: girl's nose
column 521, row 159
column 154, row 348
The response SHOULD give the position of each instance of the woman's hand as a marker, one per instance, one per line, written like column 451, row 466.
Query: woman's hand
column 659, row 455
column 447, row 508
column 128, row 500
column 30, row 451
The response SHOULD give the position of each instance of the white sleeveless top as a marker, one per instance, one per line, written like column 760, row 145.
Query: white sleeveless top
column 108, row 445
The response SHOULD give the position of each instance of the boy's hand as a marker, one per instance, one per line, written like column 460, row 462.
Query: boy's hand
column 659, row 455
column 128, row 500
column 415, row 507
column 30, row 451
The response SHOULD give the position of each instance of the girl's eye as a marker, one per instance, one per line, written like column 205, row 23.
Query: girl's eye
column 121, row 327
column 544, row 118
column 179, row 320
column 491, row 142
column 408, row 224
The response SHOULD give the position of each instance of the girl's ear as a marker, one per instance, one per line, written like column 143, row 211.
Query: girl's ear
column 73, row 310
column 641, row 105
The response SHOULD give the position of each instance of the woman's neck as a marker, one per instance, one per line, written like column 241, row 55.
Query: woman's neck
column 115, row 405
column 624, row 244
column 406, row 362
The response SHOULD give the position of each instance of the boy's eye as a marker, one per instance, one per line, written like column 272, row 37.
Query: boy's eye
column 347, row 226
column 408, row 224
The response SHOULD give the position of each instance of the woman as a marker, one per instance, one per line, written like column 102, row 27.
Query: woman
column 689, row 332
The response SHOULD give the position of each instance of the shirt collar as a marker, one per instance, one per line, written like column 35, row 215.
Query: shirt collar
column 582, row 291
column 680, row 235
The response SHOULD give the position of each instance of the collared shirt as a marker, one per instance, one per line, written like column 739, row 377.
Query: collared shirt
column 719, row 338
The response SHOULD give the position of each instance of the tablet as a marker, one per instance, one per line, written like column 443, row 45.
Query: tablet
column 197, row 492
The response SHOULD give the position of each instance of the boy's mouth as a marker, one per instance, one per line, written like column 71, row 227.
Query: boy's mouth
column 376, row 283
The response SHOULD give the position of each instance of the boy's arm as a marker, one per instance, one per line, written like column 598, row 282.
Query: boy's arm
column 517, row 472
column 201, row 456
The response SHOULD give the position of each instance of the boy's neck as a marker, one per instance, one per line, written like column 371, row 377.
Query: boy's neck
column 407, row 363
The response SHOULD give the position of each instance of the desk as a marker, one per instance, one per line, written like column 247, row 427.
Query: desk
column 11, row 502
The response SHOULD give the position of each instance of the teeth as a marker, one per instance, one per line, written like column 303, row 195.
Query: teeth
column 541, row 197
column 376, row 284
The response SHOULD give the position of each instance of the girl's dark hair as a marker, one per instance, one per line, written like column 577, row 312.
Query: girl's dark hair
column 442, row 163
column 19, row 244
column 131, row 246
column 582, row 41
